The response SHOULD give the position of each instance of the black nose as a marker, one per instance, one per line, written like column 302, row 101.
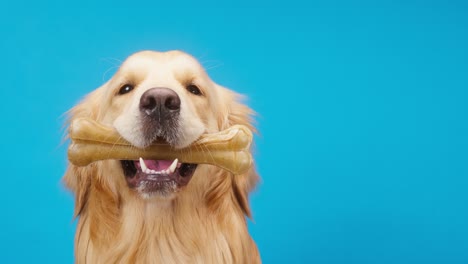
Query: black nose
column 159, row 100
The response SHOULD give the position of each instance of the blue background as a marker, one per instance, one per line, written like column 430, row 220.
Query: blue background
column 362, row 112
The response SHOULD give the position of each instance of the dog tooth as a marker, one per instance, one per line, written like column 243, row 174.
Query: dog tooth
column 143, row 165
column 173, row 166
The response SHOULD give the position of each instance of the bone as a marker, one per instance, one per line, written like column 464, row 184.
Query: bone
column 228, row 149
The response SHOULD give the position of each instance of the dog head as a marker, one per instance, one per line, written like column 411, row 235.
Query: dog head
column 159, row 97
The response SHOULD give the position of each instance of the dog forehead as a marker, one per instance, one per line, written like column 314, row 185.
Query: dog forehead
column 160, row 61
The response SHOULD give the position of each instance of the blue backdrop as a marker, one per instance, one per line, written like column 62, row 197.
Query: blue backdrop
column 362, row 112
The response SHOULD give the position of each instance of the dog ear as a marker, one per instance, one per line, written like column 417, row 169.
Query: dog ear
column 78, row 179
column 243, row 185
column 89, row 107
column 234, row 112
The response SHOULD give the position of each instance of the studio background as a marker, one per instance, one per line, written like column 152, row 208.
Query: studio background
column 362, row 110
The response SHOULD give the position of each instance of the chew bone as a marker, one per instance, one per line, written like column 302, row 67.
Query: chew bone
column 228, row 149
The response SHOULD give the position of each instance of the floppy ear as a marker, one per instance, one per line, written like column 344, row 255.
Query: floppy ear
column 78, row 179
column 89, row 107
column 234, row 112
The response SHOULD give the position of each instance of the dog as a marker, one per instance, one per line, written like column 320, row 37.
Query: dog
column 198, row 213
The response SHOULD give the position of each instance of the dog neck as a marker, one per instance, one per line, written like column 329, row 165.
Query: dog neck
column 195, row 227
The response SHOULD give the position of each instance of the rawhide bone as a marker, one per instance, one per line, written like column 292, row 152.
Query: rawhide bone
column 227, row 149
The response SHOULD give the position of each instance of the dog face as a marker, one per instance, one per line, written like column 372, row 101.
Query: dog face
column 160, row 97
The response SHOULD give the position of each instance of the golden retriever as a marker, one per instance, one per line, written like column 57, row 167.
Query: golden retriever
column 198, row 213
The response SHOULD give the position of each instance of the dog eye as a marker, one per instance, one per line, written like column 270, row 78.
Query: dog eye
column 126, row 88
column 194, row 89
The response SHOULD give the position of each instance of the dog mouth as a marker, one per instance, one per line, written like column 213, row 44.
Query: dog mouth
column 157, row 176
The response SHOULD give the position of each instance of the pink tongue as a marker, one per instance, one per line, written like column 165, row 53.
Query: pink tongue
column 158, row 165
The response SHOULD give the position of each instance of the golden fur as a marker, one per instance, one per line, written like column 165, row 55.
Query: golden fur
column 203, row 223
